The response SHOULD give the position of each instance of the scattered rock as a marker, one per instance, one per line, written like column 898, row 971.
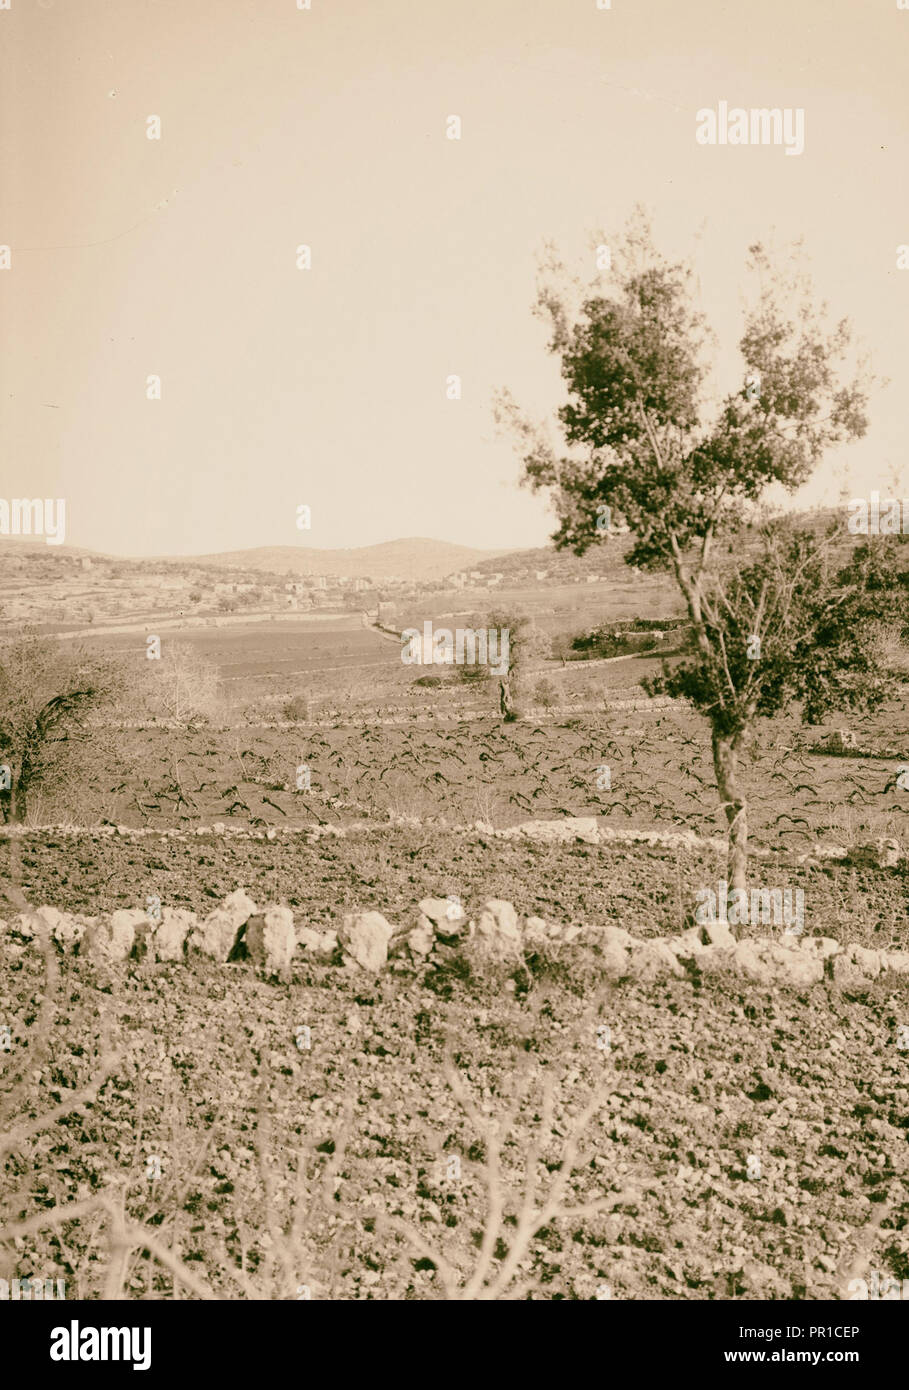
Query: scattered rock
column 820, row 947
column 556, row 831
column 71, row 930
column 879, row 854
column 422, row 939
column 718, row 934
column 648, row 960
column 754, row 1276
column 897, row 961
column 318, row 943
column 270, row 938
column 615, row 945
column 65, row 928
column 690, row 943
column 50, row 918
column 23, row 926
column 445, row 914
column 538, row 933
column 889, row 854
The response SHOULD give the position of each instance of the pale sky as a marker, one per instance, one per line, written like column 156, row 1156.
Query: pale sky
column 280, row 126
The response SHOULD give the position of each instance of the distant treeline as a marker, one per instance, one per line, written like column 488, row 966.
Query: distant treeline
column 623, row 638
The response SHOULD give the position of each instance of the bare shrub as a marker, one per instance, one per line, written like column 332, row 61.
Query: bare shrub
column 890, row 647
column 181, row 685
column 515, row 1210
column 19, row 1135
column 128, row 1231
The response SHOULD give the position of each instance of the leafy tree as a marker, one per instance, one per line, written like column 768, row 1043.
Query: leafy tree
column 647, row 440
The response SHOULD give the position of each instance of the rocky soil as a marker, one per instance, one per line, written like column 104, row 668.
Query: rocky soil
column 239, row 1057
column 335, row 1132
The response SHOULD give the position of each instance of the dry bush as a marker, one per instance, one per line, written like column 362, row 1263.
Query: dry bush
column 109, row 1243
column 18, row 1135
column 181, row 686
column 890, row 646
column 516, row 1208
column 484, row 804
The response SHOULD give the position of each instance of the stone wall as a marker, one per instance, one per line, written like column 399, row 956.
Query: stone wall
column 270, row 939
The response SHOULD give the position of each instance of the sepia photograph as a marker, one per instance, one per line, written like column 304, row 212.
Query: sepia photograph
column 454, row 671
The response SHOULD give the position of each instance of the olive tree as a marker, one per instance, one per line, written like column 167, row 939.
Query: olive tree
column 520, row 643
column 644, row 436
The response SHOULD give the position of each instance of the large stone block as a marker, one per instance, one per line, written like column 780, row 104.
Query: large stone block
column 112, row 938
column 271, row 941
column 365, row 937
column 168, row 941
column 497, row 933
column 216, row 934
column 769, row 962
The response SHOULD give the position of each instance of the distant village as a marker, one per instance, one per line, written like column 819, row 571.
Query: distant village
column 60, row 589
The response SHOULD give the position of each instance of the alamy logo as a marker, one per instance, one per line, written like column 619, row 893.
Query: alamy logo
column 481, row 646
column 868, row 516
column 877, row 1286
column 764, row 906
column 15, row 1290
column 30, row 516
column 760, row 125
column 102, row 1344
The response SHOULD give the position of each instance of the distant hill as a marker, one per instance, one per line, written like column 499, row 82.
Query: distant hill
column 37, row 545
column 518, row 565
column 416, row 558
column 608, row 558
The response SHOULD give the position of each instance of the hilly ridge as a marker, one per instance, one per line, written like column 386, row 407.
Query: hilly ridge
column 415, row 558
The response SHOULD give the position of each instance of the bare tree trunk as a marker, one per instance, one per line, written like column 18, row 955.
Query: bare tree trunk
column 506, row 703
column 726, row 769
column 18, row 805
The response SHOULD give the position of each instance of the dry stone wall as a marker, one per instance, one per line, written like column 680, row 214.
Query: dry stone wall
column 270, row 939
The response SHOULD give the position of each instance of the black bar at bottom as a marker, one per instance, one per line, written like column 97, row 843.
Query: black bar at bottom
column 153, row 1339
